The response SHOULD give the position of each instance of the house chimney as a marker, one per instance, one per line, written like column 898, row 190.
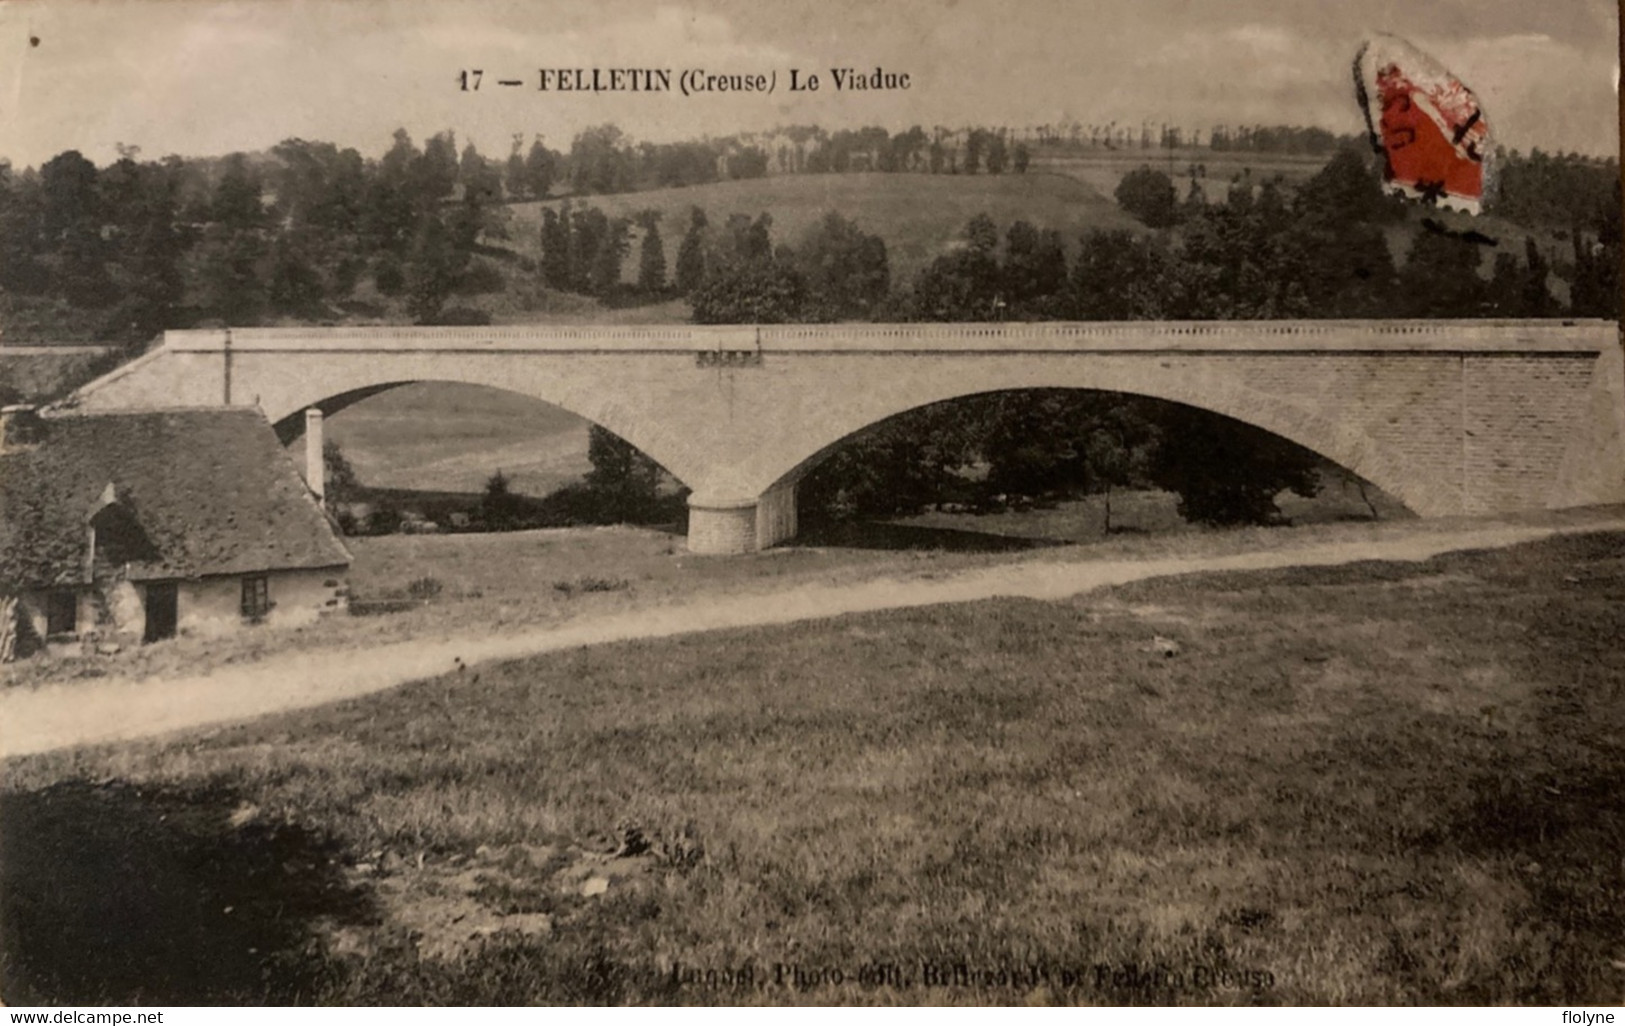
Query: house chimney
column 19, row 427
column 315, row 466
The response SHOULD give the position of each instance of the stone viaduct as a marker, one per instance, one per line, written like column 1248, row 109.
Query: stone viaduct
column 1449, row 417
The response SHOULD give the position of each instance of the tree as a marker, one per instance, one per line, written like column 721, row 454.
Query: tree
column 651, row 254
column 973, row 150
column 1023, row 157
column 435, row 172
column 1594, row 282
column 513, row 175
column 623, row 478
column 237, row 199
column 998, row 155
column 1335, row 251
column 541, row 168
column 982, row 235
column 1440, row 278
column 151, row 261
column 1121, row 446
column 391, row 208
column 1235, row 267
column 845, row 269
column 597, row 161
column 70, row 222
column 1149, row 195
column 340, row 485
column 22, row 240
column 68, row 194
column 750, row 162
column 589, row 230
column 691, row 253
column 1195, row 202
column 296, row 284
column 1271, row 206
column 479, row 178
column 739, row 293
column 233, row 286
column 1226, row 472
column 1034, row 271
column 1122, row 277
column 604, row 273
column 1536, row 296
column 963, row 285
column 1346, row 191
column 895, row 467
column 557, row 259
column 745, row 241
column 434, row 269
column 500, row 507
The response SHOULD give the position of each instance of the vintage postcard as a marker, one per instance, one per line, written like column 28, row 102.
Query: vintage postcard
column 716, row 502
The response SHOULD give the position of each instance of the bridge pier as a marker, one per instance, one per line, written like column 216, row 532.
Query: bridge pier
column 729, row 527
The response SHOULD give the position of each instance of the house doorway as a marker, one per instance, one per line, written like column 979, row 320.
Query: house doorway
column 162, row 611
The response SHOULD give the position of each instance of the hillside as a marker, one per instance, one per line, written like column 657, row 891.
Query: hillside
column 918, row 215
column 441, row 436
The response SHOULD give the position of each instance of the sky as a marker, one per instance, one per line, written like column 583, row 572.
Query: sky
column 205, row 77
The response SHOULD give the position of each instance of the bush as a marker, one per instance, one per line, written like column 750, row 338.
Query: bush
column 582, row 585
column 1149, row 195
column 424, row 588
column 384, row 521
column 380, row 606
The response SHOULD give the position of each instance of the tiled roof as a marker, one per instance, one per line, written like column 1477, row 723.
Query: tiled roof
column 212, row 490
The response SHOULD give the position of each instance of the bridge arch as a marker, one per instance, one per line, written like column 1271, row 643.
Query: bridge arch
column 1344, row 444
column 649, row 435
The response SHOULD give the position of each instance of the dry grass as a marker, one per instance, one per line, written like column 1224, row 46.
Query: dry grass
column 1379, row 783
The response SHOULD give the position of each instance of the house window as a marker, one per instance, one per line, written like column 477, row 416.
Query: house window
column 256, row 597
column 61, row 613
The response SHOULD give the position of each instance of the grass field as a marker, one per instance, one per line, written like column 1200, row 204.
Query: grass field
column 484, row 583
column 444, row 436
column 1378, row 783
column 917, row 215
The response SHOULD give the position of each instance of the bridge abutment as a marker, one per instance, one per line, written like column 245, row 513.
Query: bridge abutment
column 729, row 527
column 721, row 527
column 776, row 515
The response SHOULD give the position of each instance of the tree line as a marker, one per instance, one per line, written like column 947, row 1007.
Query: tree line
column 124, row 252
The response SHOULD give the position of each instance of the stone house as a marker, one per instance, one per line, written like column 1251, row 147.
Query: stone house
column 127, row 527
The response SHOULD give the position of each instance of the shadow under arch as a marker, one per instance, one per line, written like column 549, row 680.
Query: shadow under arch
column 1354, row 451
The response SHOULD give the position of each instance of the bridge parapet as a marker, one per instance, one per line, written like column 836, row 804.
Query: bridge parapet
column 1589, row 336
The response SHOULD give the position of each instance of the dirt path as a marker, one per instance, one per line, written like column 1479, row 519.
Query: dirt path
column 59, row 716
